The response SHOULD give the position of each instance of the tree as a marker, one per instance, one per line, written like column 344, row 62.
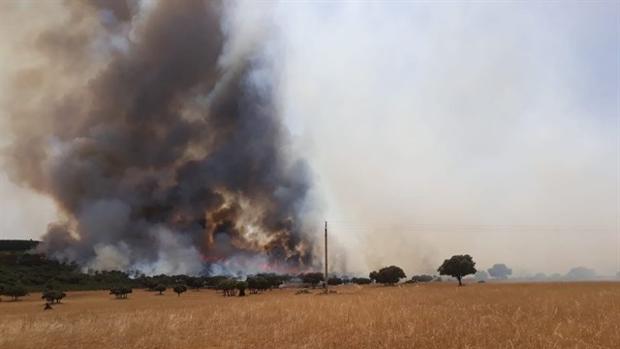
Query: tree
column 274, row 280
column 53, row 296
column 481, row 275
column 227, row 286
column 179, row 289
column 421, row 278
column 121, row 292
column 312, row 278
column 195, row 283
column 581, row 273
column 373, row 276
column 14, row 291
column 388, row 275
column 361, row 281
column 241, row 286
column 257, row 284
column 334, row 281
column 160, row 288
column 499, row 271
column 458, row 266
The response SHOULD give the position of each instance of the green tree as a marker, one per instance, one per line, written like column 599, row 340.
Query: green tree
column 228, row 287
column 14, row 291
column 53, row 296
column 361, row 281
column 334, row 281
column 179, row 289
column 195, row 283
column 421, row 278
column 312, row 278
column 257, row 284
column 121, row 292
column 241, row 286
column 388, row 275
column 160, row 288
column 458, row 266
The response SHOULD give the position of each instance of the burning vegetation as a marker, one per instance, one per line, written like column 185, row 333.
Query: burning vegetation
column 158, row 140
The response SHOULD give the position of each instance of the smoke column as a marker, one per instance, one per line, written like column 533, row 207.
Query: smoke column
column 157, row 137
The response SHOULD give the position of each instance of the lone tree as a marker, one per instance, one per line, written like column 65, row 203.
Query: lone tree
column 53, row 296
column 179, row 289
column 121, row 292
column 160, row 288
column 312, row 278
column 499, row 271
column 388, row 275
column 458, row 266
column 14, row 291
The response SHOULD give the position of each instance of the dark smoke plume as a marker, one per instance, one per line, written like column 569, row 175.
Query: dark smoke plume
column 162, row 157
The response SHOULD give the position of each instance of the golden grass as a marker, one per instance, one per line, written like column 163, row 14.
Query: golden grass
column 576, row 315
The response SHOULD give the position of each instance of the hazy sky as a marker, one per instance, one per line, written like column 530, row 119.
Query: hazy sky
column 435, row 129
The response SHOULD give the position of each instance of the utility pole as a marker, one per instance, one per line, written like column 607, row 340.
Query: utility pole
column 325, row 281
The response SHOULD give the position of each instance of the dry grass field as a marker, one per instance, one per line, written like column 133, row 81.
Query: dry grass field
column 577, row 315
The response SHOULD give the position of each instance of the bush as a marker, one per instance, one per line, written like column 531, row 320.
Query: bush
column 334, row 281
column 361, row 281
column 422, row 278
column 312, row 278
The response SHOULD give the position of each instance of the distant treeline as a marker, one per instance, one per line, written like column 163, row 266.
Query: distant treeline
column 17, row 245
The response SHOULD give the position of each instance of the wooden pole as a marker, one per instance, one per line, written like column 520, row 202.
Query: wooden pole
column 325, row 281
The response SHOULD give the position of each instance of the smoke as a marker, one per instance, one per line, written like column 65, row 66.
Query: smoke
column 161, row 131
column 441, row 129
column 152, row 126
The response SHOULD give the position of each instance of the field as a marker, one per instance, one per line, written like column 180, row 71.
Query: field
column 575, row 315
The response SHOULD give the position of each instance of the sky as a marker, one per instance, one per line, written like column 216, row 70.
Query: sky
column 433, row 129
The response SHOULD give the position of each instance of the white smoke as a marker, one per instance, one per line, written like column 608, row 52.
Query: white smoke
column 437, row 129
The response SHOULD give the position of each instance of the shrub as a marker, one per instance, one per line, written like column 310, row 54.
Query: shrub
column 422, row 278
column 312, row 278
column 361, row 281
column 334, row 281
